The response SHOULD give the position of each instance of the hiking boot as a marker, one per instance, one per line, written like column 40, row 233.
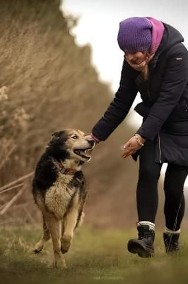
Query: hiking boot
column 143, row 246
column 171, row 242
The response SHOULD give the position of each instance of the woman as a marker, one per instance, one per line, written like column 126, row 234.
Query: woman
column 155, row 65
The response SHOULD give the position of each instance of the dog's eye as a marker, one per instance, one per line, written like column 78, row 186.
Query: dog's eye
column 74, row 136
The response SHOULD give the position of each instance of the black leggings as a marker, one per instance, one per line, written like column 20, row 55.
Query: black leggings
column 147, row 189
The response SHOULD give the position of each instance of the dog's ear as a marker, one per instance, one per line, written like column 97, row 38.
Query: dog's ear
column 57, row 138
column 54, row 138
column 56, row 134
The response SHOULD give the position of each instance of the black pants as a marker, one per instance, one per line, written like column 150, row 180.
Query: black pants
column 147, row 189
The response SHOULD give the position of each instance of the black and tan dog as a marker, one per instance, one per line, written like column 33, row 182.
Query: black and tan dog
column 59, row 189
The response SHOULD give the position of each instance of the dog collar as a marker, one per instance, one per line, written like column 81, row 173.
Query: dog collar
column 63, row 170
column 67, row 171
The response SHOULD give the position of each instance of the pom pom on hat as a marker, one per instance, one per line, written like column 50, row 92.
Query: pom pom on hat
column 135, row 34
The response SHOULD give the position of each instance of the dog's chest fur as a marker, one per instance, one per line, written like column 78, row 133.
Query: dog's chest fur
column 63, row 194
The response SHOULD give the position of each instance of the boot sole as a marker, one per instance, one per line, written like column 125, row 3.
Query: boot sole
column 137, row 248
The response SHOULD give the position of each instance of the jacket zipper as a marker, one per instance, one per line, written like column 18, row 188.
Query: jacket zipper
column 159, row 143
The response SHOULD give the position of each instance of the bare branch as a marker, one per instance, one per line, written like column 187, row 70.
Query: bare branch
column 16, row 181
column 8, row 205
column 12, row 187
column 7, row 156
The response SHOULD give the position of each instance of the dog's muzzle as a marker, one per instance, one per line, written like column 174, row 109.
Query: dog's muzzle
column 85, row 153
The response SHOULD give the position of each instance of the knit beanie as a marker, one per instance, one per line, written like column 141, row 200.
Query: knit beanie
column 135, row 34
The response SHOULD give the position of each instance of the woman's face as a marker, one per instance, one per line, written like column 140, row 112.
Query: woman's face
column 137, row 60
column 136, row 57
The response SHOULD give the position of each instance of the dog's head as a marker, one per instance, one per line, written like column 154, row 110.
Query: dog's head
column 71, row 144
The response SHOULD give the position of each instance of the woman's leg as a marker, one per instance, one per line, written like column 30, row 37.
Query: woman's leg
column 174, row 197
column 147, row 202
column 147, row 187
column 174, row 206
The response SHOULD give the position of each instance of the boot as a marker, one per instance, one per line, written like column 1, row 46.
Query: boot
column 171, row 242
column 143, row 246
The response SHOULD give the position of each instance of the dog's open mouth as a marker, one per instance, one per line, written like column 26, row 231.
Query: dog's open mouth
column 84, row 153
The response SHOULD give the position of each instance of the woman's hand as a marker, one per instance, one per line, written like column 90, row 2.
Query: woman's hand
column 133, row 145
column 91, row 137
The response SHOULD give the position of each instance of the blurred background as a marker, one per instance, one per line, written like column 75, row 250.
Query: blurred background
column 60, row 66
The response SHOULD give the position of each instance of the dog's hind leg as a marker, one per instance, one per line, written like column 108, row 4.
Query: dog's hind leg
column 54, row 226
column 68, row 225
column 46, row 236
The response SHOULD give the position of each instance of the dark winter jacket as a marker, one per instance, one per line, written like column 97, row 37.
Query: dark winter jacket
column 164, row 104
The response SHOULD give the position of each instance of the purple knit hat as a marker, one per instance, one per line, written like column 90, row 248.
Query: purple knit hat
column 135, row 34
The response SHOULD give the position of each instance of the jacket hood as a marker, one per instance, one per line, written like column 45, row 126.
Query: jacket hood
column 157, row 34
column 171, row 37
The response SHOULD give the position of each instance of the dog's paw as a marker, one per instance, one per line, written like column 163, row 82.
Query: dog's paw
column 65, row 244
column 36, row 251
column 60, row 263
column 38, row 248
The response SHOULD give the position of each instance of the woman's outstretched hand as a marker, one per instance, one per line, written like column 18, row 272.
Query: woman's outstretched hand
column 132, row 145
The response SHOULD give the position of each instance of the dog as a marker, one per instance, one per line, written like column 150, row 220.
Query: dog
column 59, row 189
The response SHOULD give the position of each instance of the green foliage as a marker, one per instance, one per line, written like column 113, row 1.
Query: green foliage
column 96, row 256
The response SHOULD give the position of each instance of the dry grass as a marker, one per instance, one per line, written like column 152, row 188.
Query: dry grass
column 96, row 256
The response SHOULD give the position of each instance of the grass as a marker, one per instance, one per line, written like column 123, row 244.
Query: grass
column 96, row 256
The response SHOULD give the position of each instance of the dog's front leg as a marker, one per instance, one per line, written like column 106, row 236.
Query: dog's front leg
column 69, row 224
column 46, row 236
column 54, row 226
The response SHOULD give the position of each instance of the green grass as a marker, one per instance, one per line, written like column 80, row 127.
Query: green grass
column 96, row 256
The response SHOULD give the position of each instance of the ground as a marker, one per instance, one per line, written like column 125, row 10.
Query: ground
column 96, row 256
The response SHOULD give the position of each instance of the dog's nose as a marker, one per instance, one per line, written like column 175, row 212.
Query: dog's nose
column 91, row 142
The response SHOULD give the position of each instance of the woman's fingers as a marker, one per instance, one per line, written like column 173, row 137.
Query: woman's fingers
column 128, row 150
column 130, row 147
